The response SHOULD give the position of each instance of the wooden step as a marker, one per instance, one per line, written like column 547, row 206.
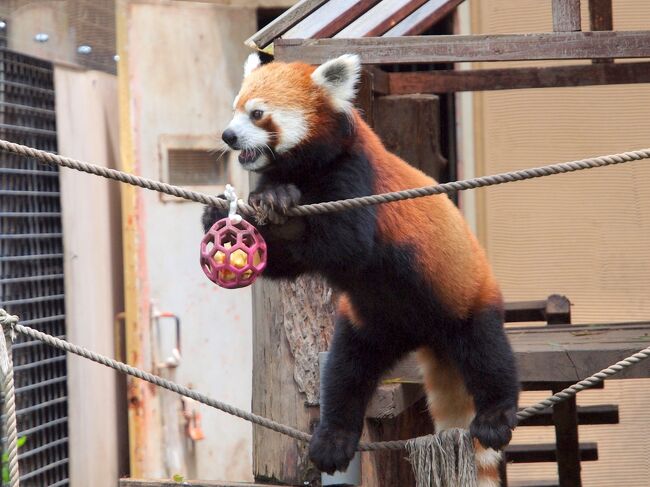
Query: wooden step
column 600, row 414
column 545, row 452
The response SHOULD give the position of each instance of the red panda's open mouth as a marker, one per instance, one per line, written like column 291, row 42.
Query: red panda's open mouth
column 246, row 156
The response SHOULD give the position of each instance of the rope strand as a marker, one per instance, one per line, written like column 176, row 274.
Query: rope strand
column 329, row 206
column 8, row 324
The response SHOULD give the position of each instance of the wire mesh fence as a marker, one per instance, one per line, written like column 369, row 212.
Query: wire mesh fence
column 31, row 266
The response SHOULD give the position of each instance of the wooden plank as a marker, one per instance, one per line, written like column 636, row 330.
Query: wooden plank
column 283, row 23
column 329, row 19
column 391, row 400
column 545, row 452
column 426, row 16
column 563, row 353
column 380, row 18
column 566, row 15
column 518, row 78
column 471, row 48
column 599, row 414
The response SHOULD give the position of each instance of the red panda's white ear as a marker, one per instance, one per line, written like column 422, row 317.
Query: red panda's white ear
column 339, row 78
column 253, row 62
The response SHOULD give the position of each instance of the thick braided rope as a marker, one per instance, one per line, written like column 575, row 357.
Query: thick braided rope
column 292, row 432
column 331, row 206
column 159, row 381
column 9, row 405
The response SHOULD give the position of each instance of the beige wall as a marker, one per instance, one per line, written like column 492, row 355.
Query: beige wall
column 87, row 130
column 585, row 235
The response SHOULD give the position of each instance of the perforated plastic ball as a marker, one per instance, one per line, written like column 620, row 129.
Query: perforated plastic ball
column 233, row 254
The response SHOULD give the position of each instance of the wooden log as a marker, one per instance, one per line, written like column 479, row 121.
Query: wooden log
column 292, row 322
column 470, row 48
column 517, row 78
column 409, row 126
column 566, row 15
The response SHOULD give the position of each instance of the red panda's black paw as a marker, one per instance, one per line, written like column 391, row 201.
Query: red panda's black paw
column 493, row 428
column 210, row 215
column 332, row 449
column 273, row 202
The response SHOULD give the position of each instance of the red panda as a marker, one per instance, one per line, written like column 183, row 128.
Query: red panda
column 411, row 275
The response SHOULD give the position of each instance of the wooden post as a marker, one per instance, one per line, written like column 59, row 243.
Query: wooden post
column 601, row 18
column 566, row 15
column 567, row 445
column 409, row 126
column 292, row 322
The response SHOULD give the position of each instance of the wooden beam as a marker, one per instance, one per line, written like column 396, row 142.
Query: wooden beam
column 565, row 419
column 283, row 23
column 566, row 15
column 330, row 18
column 380, row 18
column 562, row 353
column 518, row 78
column 391, row 400
column 426, row 16
column 545, row 452
column 471, row 48
column 599, row 414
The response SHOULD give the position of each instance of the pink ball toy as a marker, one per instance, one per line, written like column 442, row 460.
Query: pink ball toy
column 233, row 254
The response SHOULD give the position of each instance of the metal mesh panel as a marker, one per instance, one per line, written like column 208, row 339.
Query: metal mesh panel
column 31, row 266
column 89, row 24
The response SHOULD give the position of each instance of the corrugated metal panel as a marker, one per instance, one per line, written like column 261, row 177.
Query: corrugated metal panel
column 31, row 265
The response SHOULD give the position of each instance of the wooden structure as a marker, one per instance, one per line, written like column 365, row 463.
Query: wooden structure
column 405, row 73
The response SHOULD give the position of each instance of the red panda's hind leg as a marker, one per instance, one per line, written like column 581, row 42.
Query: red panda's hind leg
column 451, row 406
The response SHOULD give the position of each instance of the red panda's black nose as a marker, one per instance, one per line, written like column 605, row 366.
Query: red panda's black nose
column 229, row 137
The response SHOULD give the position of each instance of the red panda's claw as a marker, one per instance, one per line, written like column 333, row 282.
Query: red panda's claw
column 272, row 203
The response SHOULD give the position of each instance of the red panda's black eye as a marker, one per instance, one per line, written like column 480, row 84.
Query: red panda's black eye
column 256, row 114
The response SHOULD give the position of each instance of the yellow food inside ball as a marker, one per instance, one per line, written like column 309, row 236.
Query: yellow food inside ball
column 238, row 259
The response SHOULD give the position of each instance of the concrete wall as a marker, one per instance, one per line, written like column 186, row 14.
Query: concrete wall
column 184, row 69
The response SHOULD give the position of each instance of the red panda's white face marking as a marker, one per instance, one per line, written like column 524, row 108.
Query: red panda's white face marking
column 281, row 106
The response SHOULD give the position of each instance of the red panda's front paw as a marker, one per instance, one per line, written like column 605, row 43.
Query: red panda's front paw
column 273, row 202
column 332, row 449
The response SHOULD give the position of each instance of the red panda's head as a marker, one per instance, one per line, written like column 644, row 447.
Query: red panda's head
column 282, row 108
